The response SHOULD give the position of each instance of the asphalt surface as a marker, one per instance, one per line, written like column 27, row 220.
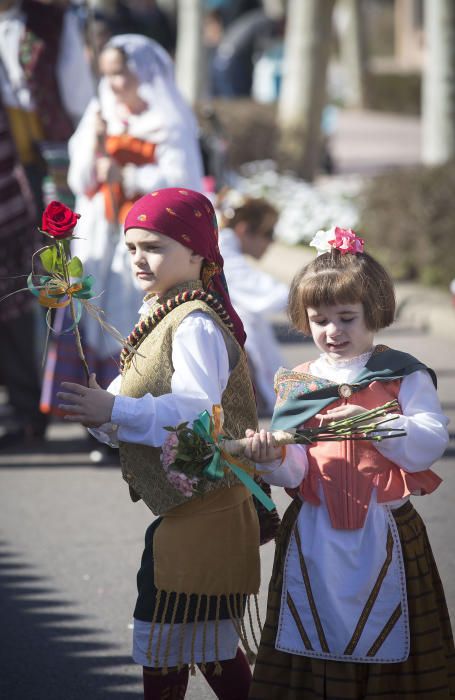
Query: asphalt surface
column 71, row 540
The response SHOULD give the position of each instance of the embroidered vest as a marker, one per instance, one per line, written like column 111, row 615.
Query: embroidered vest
column 349, row 470
column 151, row 372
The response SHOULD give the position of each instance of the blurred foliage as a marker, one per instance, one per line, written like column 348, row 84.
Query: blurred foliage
column 407, row 217
column 395, row 92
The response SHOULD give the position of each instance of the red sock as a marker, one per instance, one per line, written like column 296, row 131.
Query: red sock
column 234, row 681
column 171, row 686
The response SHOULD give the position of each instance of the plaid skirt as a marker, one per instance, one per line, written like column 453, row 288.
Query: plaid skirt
column 428, row 673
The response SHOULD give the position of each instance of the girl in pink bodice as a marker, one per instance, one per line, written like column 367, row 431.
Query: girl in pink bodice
column 356, row 608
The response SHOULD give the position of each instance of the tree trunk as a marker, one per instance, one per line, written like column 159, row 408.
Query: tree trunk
column 189, row 52
column 303, row 93
column 353, row 52
column 438, row 107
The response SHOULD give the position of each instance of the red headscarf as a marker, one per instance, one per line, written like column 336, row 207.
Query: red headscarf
column 189, row 218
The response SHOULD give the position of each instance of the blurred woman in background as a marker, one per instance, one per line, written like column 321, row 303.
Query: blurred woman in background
column 138, row 135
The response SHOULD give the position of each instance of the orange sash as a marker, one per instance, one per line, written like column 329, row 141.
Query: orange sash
column 123, row 149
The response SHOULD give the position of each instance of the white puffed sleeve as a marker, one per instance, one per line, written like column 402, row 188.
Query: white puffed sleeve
column 424, row 422
column 201, row 373
column 288, row 473
column 81, row 148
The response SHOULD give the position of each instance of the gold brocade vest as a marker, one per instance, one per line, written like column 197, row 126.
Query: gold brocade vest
column 151, row 372
column 206, row 548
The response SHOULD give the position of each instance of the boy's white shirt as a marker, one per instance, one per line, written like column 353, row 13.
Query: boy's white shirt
column 201, row 373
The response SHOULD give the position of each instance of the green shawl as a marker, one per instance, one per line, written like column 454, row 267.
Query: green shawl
column 300, row 395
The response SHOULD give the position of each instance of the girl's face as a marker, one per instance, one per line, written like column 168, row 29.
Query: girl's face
column 160, row 263
column 123, row 83
column 340, row 330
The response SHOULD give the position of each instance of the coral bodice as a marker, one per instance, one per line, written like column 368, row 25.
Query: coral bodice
column 348, row 471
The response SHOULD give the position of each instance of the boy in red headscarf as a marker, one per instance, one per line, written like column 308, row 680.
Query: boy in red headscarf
column 201, row 557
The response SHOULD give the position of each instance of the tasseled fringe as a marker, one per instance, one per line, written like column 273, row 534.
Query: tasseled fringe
column 182, row 631
column 169, row 639
column 193, row 636
column 238, row 605
column 152, row 628
column 204, row 635
column 160, row 635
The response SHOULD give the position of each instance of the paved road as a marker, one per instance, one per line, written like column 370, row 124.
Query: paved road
column 70, row 543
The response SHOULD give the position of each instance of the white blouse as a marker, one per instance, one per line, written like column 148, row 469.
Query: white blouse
column 201, row 373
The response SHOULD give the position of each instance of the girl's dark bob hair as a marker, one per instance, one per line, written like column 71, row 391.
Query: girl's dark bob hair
column 334, row 278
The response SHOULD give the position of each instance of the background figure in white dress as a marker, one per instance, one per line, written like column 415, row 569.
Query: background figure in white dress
column 136, row 136
column 247, row 226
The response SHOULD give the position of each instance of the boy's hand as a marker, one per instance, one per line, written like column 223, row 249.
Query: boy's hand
column 261, row 447
column 339, row 413
column 91, row 406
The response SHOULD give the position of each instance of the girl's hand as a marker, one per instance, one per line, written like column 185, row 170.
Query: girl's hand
column 91, row 406
column 347, row 410
column 261, row 447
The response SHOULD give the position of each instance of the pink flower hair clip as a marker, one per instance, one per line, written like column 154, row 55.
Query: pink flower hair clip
column 343, row 239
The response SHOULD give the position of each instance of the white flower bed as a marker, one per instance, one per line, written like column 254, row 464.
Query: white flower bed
column 304, row 208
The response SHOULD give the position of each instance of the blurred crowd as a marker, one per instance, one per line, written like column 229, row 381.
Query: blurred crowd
column 90, row 115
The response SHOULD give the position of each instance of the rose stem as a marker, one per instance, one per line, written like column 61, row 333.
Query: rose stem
column 77, row 335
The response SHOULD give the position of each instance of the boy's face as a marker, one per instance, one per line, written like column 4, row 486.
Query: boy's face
column 340, row 330
column 160, row 263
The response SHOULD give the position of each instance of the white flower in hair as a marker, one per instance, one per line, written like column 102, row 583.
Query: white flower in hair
column 321, row 240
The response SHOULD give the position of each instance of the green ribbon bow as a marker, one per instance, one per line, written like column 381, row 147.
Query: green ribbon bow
column 203, row 426
column 54, row 293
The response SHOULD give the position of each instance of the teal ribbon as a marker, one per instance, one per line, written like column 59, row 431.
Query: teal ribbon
column 86, row 292
column 215, row 469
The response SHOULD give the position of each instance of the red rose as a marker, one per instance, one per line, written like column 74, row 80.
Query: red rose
column 59, row 220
